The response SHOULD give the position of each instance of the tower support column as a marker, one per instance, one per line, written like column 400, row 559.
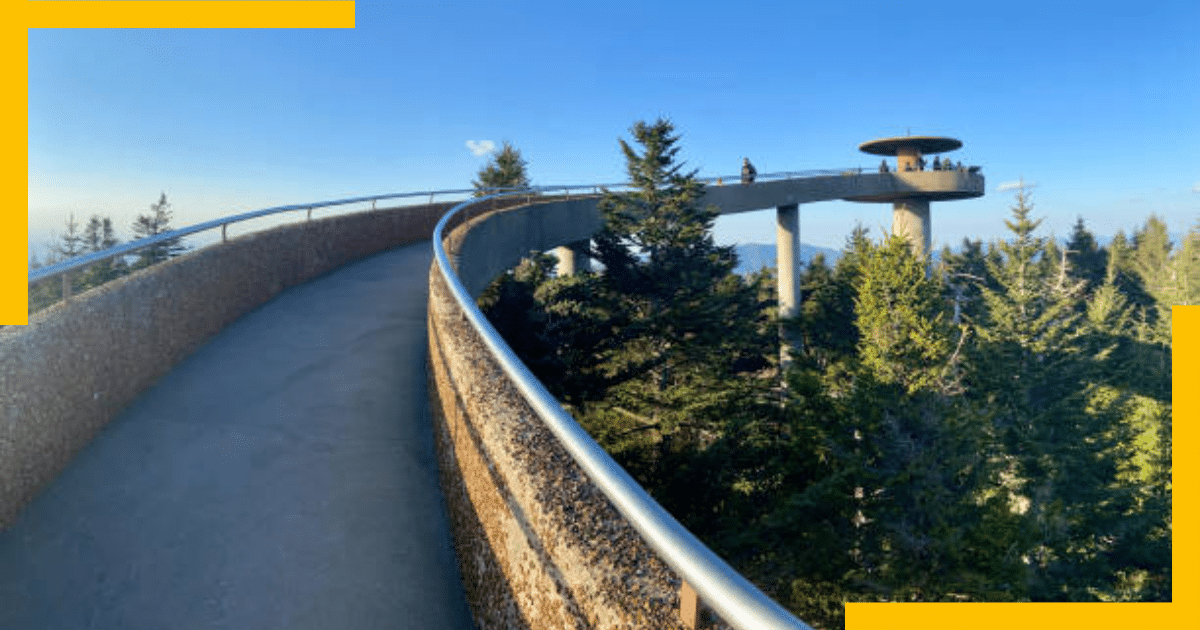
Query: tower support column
column 572, row 258
column 787, row 270
column 910, row 218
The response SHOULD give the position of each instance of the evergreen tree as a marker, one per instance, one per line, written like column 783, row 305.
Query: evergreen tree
column 1128, row 279
column 157, row 221
column 661, row 350
column 99, row 236
column 70, row 244
column 927, row 530
column 902, row 321
column 1089, row 260
column 1152, row 250
column 826, row 322
column 965, row 273
column 1033, row 370
column 676, row 287
column 506, row 169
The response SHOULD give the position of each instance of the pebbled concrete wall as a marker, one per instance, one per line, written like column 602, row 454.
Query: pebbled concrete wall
column 539, row 546
column 79, row 363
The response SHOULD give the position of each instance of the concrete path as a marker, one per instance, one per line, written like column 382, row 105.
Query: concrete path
column 282, row 477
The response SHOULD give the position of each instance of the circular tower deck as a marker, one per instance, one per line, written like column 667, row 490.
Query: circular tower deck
column 915, row 185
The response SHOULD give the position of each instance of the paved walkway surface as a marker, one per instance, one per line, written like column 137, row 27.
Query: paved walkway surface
column 282, row 477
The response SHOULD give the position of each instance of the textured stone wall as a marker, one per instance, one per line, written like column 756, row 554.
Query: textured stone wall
column 79, row 363
column 539, row 546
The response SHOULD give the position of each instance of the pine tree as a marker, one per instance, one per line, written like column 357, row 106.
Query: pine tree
column 964, row 273
column 826, row 320
column 70, row 244
column 904, row 332
column 676, row 287
column 1129, row 281
column 1037, row 376
column 660, row 356
column 658, row 351
column 157, row 221
column 506, row 169
column 99, row 236
column 927, row 529
column 1089, row 261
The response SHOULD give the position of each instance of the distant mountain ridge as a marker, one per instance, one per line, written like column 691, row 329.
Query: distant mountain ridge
column 754, row 256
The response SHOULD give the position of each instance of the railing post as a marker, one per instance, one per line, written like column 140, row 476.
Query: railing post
column 66, row 286
column 310, row 213
column 223, row 239
column 689, row 606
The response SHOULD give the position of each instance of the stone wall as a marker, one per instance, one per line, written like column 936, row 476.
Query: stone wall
column 79, row 363
column 539, row 546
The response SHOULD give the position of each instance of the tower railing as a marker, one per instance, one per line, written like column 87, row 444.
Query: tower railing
column 730, row 595
column 65, row 267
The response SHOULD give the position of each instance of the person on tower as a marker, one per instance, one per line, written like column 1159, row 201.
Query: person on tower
column 748, row 172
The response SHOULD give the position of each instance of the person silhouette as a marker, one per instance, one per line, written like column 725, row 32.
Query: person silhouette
column 748, row 172
column 883, row 167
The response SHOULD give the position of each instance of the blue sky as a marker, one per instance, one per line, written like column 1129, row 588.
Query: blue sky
column 1098, row 104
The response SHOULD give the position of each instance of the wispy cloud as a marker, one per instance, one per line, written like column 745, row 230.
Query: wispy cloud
column 1014, row 185
column 1196, row 188
column 481, row 147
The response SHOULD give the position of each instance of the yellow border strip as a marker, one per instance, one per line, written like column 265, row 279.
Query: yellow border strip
column 20, row 16
column 189, row 14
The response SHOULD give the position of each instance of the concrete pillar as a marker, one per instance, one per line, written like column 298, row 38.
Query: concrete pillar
column 573, row 258
column 910, row 218
column 908, row 158
column 787, row 270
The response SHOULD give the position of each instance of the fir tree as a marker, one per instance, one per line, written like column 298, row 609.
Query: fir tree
column 1034, row 374
column 676, row 287
column 1128, row 279
column 157, row 221
column 1090, row 262
column 658, row 351
column 826, row 320
column 99, row 236
column 506, row 169
column 965, row 273
column 902, row 321
column 70, row 244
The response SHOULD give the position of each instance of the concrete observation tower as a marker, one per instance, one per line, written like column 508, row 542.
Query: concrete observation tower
column 909, row 185
column 918, row 183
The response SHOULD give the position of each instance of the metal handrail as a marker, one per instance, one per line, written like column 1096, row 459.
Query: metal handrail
column 79, row 262
column 733, row 597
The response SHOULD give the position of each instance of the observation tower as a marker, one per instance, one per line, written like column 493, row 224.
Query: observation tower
column 916, row 183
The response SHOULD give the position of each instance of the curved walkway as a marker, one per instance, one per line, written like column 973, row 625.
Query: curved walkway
column 283, row 476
